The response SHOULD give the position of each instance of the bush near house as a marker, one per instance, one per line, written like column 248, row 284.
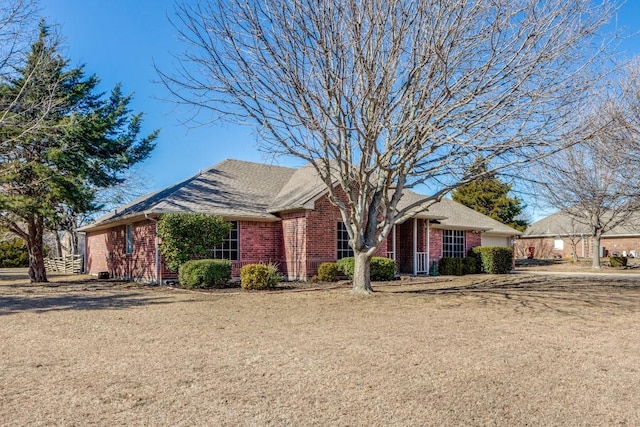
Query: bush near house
column 204, row 273
column 493, row 260
column 259, row 276
column 187, row 236
column 382, row 269
column 457, row 266
column 451, row 267
column 618, row 261
column 328, row 272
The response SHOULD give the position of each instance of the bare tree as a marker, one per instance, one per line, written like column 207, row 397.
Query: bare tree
column 17, row 23
column 382, row 96
column 597, row 183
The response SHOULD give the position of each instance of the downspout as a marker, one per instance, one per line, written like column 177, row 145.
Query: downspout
column 428, row 251
column 157, row 257
column 415, row 246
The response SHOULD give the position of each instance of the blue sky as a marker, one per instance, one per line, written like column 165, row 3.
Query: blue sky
column 119, row 41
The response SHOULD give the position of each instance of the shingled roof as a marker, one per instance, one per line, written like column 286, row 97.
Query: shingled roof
column 231, row 189
column 562, row 224
column 254, row 191
column 461, row 217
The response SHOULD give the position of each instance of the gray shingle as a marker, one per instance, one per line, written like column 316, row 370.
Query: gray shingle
column 232, row 189
column 560, row 223
column 244, row 190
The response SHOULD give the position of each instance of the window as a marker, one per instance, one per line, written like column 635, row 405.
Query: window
column 558, row 244
column 230, row 246
column 453, row 243
column 344, row 250
column 129, row 239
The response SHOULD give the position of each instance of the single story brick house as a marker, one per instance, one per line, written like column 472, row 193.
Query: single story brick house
column 558, row 236
column 281, row 215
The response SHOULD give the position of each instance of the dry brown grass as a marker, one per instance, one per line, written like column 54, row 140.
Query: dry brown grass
column 513, row 350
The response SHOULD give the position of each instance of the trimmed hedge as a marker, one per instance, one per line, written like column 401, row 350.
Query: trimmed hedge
column 618, row 261
column 328, row 272
column 470, row 265
column 451, row 267
column 494, row 260
column 259, row 276
column 382, row 269
column 204, row 273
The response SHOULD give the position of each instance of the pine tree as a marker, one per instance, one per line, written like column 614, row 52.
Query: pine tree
column 490, row 196
column 60, row 141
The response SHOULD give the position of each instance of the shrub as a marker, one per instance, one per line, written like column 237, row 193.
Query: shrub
column 13, row 253
column 618, row 261
column 186, row 236
column 494, row 260
column 470, row 265
column 328, row 272
column 382, row 269
column 204, row 273
column 259, row 276
column 451, row 267
column 346, row 266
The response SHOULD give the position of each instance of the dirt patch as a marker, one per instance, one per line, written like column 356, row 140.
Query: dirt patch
column 476, row 350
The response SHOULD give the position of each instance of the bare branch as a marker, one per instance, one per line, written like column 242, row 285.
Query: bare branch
column 382, row 96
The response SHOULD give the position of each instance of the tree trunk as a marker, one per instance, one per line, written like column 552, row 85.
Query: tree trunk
column 37, row 271
column 362, row 274
column 596, row 252
column 58, row 244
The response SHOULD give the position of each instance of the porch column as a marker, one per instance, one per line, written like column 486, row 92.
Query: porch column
column 415, row 246
column 393, row 243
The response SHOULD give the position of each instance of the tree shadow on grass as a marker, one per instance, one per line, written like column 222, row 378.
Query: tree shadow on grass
column 20, row 298
column 575, row 296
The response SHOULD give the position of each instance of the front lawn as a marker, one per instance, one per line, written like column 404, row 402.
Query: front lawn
column 475, row 350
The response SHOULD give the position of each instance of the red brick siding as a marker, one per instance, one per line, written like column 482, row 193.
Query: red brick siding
column 294, row 229
column 259, row 242
column 543, row 247
column 107, row 252
column 435, row 245
column 322, row 234
column 620, row 245
column 471, row 240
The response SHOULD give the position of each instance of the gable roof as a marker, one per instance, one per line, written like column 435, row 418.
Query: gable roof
column 232, row 189
column 302, row 188
column 463, row 217
column 561, row 224
column 238, row 189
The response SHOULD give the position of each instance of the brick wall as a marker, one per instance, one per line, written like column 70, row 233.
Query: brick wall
column 471, row 240
column 435, row 245
column 544, row 247
column 106, row 251
column 294, row 245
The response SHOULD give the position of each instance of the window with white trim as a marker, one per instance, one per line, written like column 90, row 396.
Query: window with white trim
column 453, row 244
column 558, row 244
column 344, row 250
column 230, row 246
column 129, row 239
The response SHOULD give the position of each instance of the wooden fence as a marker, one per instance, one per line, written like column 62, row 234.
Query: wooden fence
column 70, row 264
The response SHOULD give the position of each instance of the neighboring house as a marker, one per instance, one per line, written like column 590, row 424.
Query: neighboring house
column 280, row 215
column 559, row 236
